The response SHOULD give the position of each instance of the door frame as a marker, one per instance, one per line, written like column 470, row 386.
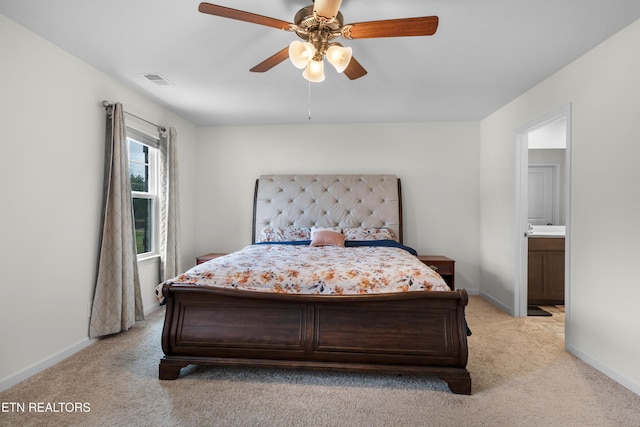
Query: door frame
column 521, row 201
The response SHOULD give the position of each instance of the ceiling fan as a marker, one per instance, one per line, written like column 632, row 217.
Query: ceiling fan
column 318, row 25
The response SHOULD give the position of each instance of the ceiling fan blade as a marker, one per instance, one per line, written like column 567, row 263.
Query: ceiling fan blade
column 423, row 26
column 227, row 12
column 354, row 70
column 271, row 61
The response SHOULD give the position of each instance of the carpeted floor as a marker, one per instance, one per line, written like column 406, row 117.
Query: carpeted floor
column 554, row 322
column 521, row 377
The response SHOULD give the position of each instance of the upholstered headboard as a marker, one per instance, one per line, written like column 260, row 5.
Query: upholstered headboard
column 344, row 201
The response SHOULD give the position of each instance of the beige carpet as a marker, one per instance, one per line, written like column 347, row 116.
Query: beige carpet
column 521, row 377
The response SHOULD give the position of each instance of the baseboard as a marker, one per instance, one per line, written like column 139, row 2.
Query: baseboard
column 497, row 303
column 22, row 375
column 611, row 373
column 150, row 310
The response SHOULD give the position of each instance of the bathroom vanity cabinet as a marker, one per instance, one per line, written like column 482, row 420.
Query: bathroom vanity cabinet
column 546, row 270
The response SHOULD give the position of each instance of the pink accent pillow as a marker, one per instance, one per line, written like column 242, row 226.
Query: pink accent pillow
column 328, row 238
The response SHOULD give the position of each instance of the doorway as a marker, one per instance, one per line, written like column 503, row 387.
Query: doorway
column 524, row 136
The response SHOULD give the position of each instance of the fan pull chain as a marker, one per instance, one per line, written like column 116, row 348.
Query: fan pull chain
column 309, row 100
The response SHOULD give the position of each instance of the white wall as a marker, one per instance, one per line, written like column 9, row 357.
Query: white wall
column 437, row 163
column 604, row 90
column 51, row 171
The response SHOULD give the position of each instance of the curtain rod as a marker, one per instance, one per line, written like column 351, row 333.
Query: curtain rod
column 107, row 104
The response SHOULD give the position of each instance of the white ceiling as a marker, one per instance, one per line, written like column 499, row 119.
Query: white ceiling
column 484, row 54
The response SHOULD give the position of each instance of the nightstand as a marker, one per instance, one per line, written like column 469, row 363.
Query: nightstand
column 443, row 265
column 207, row 257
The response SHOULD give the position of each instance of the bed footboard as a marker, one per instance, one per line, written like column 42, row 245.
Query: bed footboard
column 421, row 333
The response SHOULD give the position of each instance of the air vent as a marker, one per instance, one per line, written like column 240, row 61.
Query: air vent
column 157, row 79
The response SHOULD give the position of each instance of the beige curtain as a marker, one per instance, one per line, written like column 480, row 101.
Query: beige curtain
column 170, row 262
column 117, row 303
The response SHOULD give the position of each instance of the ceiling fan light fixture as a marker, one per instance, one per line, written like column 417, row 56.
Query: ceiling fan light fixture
column 317, row 25
column 314, row 72
column 300, row 53
column 339, row 57
column 326, row 10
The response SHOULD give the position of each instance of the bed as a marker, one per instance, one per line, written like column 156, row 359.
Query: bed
column 418, row 328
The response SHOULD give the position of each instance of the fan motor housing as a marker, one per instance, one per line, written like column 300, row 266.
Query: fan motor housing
column 307, row 23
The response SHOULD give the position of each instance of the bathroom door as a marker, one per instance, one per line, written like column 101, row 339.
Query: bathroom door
column 542, row 183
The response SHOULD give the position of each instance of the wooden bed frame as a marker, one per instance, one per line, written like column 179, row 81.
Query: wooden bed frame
column 422, row 333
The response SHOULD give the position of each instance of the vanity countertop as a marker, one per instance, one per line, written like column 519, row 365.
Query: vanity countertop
column 552, row 231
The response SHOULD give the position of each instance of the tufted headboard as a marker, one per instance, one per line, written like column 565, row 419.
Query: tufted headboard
column 344, row 201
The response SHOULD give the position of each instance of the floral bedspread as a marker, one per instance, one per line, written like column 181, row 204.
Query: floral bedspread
column 305, row 269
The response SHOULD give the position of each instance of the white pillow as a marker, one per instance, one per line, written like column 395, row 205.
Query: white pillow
column 363, row 233
column 284, row 234
column 314, row 230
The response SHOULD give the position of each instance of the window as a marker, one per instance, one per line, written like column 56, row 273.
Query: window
column 143, row 170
